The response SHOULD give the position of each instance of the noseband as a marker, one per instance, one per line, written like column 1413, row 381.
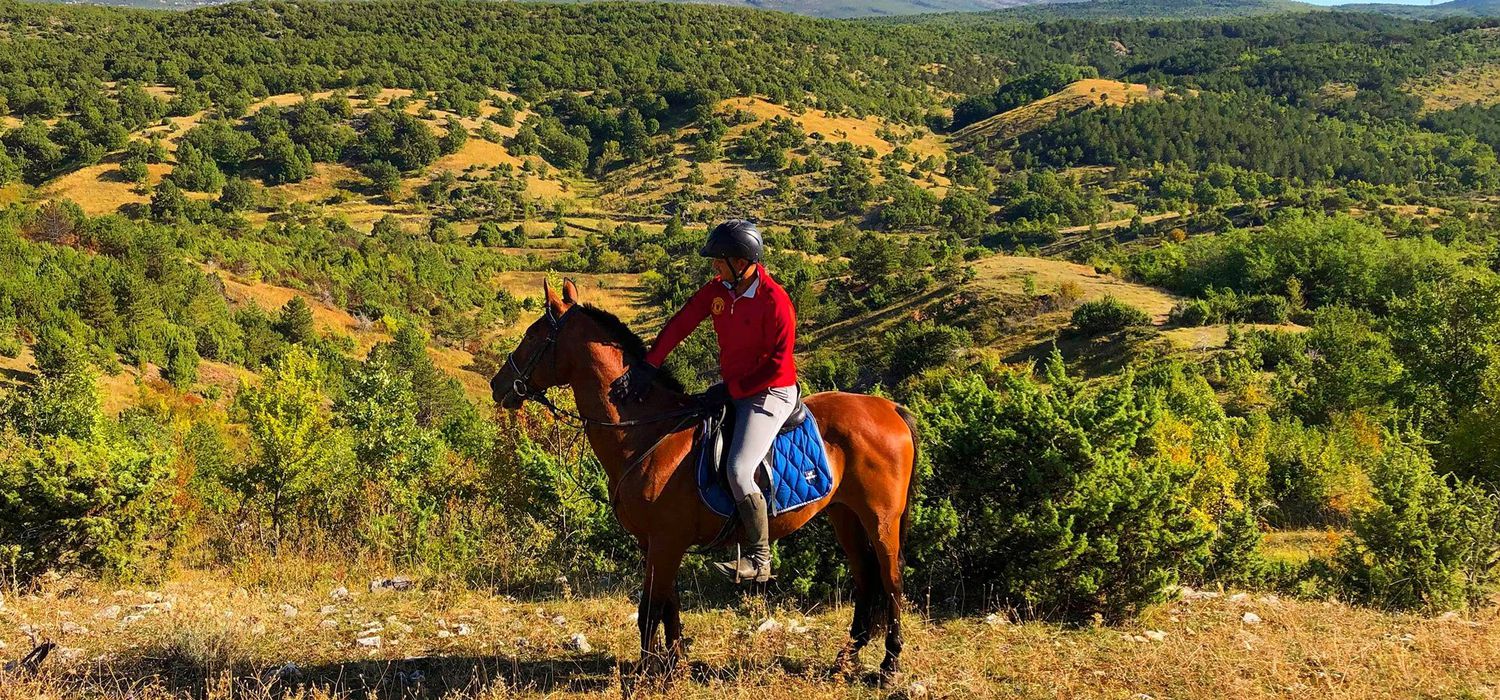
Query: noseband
column 522, row 385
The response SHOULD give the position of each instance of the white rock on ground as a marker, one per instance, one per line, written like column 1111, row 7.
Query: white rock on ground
column 768, row 625
column 287, row 610
column 108, row 613
column 328, row 610
column 559, row 620
column 993, row 619
column 328, row 624
column 369, row 642
column 1156, row 635
column 578, row 642
column 73, row 628
column 1250, row 618
column 464, row 629
column 339, row 593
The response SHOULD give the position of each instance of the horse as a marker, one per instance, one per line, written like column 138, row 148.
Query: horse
column 647, row 451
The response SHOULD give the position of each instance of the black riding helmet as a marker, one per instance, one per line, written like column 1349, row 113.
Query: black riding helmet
column 735, row 238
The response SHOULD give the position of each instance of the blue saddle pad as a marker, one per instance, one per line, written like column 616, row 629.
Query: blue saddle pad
column 798, row 470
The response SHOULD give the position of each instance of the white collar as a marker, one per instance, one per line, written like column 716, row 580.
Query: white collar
column 750, row 291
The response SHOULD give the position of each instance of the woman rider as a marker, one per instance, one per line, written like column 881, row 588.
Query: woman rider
column 756, row 328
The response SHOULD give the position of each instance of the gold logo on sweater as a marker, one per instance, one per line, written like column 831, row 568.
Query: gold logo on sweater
column 718, row 305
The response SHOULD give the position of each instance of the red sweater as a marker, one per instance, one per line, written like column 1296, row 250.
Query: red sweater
column 756, row 334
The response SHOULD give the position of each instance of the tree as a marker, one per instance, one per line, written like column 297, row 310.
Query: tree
column 238, row 194
column 299, row 457
column 286, row 162
column 295, row 322
column 168, row 202
column 195, row 171
column 181, row 368
column 454, row 138
column 135, row 170
column 385, row 178
column 1049, row 505
column 966, row 213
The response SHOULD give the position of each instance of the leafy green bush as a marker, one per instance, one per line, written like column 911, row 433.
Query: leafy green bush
column 1107, row 315
column 1426, row 544
column 1055, row 512
column 914, row 347
column 1193, row 312
column 73, row 491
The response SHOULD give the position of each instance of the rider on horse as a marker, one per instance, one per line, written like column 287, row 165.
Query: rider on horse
column 756, row 327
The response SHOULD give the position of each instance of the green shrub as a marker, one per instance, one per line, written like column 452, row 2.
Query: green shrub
column 96, row 504
column 1193, row 312
column 914, row 347
column 1107, row 315
column 1426, row 544
column 1054, row 511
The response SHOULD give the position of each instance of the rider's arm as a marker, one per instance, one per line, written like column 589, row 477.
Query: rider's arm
column 780, row 337
column 680, row 325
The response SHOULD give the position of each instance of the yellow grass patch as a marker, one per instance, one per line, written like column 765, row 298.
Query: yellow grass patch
column 1083, row 94
column 1217, row 336
column 858, row 132
column 1008, row 273
column 618, row 293
column 1473, row 84
column 101, row 189
column 331, row 319
column 475, row 152
column 9, row 123
column 12, row 193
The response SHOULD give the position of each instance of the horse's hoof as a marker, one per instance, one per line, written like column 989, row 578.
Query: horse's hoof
column 890, row 672
column 846, row 664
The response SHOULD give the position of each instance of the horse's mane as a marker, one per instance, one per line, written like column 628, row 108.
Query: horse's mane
column 631, row 343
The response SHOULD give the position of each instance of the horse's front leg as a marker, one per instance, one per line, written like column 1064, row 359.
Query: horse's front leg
column 660, row 607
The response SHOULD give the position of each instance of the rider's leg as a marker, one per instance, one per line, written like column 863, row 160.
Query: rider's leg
column 758, row 419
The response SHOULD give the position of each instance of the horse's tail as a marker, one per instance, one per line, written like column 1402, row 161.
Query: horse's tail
column 911, row 483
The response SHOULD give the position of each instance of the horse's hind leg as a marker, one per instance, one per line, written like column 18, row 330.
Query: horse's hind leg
column 851, row 537
column 887, row 543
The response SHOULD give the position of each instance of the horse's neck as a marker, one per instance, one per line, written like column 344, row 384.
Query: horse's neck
column 617, row 447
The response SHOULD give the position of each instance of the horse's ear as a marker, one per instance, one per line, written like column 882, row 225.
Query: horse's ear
column 554, row 302
column 570, row 291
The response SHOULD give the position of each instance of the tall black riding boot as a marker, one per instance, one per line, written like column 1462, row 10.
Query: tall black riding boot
column 755, row 556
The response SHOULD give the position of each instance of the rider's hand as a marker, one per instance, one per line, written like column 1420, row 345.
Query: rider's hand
column 716, row 395
column 634, row 384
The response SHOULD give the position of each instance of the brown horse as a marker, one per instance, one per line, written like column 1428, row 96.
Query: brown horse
column 648, row 452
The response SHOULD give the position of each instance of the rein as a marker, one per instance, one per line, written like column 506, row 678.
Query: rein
column 521, row 387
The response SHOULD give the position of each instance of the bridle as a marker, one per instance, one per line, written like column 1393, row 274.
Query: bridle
column 521, row 385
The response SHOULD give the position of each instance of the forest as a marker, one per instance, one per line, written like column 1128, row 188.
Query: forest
column 1164, row 295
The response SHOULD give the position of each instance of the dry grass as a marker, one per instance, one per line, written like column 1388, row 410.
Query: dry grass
column 208, row 637
column 857, row 131
column 1084, row 94
column 100, row 189
column 618, row 293
column 1474, row 84
column 329, row 319
column 1007, row 274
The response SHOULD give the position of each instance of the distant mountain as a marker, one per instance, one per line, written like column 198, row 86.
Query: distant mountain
column 1027, row 10
column 1454, row 8
column 1158, row 9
